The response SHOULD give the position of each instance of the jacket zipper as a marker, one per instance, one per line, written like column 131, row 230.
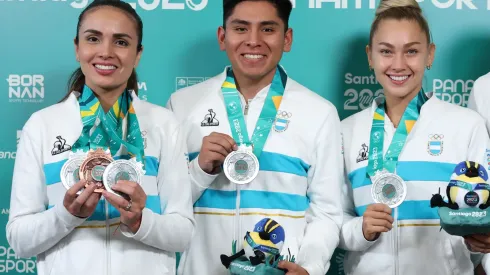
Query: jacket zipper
column 107, row 241
column 238, row 236
column 245, row 112
column 395, row 231
column 237, row 219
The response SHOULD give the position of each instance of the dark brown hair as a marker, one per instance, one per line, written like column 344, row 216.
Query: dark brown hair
column 77, row 78
column 283, row 7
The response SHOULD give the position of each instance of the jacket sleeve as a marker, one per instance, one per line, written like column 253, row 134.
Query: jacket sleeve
column 31, row 228
column 324, row 215
column 173, row 229
column 478, row 99
column 485, row 262
column 351, row 235
column 200, row 180
column 477, row 148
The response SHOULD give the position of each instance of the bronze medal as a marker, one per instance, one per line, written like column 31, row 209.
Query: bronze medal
column 92, row 169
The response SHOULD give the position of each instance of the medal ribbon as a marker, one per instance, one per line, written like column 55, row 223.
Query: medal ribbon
column 108, row 131
column 376, row 161
column 267, row 115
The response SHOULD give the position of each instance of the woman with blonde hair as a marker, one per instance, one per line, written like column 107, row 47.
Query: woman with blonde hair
column 414, row 141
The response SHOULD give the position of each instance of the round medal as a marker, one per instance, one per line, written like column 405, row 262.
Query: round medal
column 69, row 173
column 92, row 169
column 241, row 166
column 129, row 170
column 388, row 188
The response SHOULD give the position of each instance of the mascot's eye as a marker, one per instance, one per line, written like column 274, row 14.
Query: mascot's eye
column 274, row 236
column 463, row 170
column 259, row 228
column 481, row 174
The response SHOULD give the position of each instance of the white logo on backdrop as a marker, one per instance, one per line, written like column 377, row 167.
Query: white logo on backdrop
column 362, row 97
column 11, row 154
column 142, row 91
column 372, row 4
column 186, row 81
column 149, row 5
column 453, row 91
column 26, row 88
column 198, row 5
column 10, row 262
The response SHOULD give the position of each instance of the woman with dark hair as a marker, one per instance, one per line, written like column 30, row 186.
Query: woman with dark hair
column 101, row 182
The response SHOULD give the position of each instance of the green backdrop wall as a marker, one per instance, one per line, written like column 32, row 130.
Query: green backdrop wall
column 328, row 56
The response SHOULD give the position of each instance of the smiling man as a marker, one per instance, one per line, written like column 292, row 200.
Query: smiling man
column 262, row 146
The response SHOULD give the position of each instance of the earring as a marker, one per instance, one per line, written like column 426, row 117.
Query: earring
column 429, row 67
column 371, row 68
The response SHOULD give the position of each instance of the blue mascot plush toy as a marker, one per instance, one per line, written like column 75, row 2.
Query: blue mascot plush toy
column 466, row 209
column 261, row 250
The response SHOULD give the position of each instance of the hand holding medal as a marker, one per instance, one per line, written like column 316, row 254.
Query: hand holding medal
column 131, row 206
column 215, row 148
column 81, row 203
column 98, row 173
column 376, row 220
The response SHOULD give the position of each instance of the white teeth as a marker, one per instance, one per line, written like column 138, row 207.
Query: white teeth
column 399, row 78
column 253, row 56
column 105, row 67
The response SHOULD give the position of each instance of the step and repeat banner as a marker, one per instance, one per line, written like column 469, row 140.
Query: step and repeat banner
column 328, row 56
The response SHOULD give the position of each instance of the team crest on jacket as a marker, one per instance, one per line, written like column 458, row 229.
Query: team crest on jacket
column 435, row 144
column 60, row 146
column 210, row 119
column 363, row 153
column 282, row 121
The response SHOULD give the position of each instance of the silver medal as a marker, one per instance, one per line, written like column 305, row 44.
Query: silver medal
column 129, row 170
column 69, row 173
column 388, row 188
column 241, row 166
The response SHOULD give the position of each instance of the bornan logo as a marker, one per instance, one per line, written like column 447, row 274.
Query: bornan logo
column 26, row 88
